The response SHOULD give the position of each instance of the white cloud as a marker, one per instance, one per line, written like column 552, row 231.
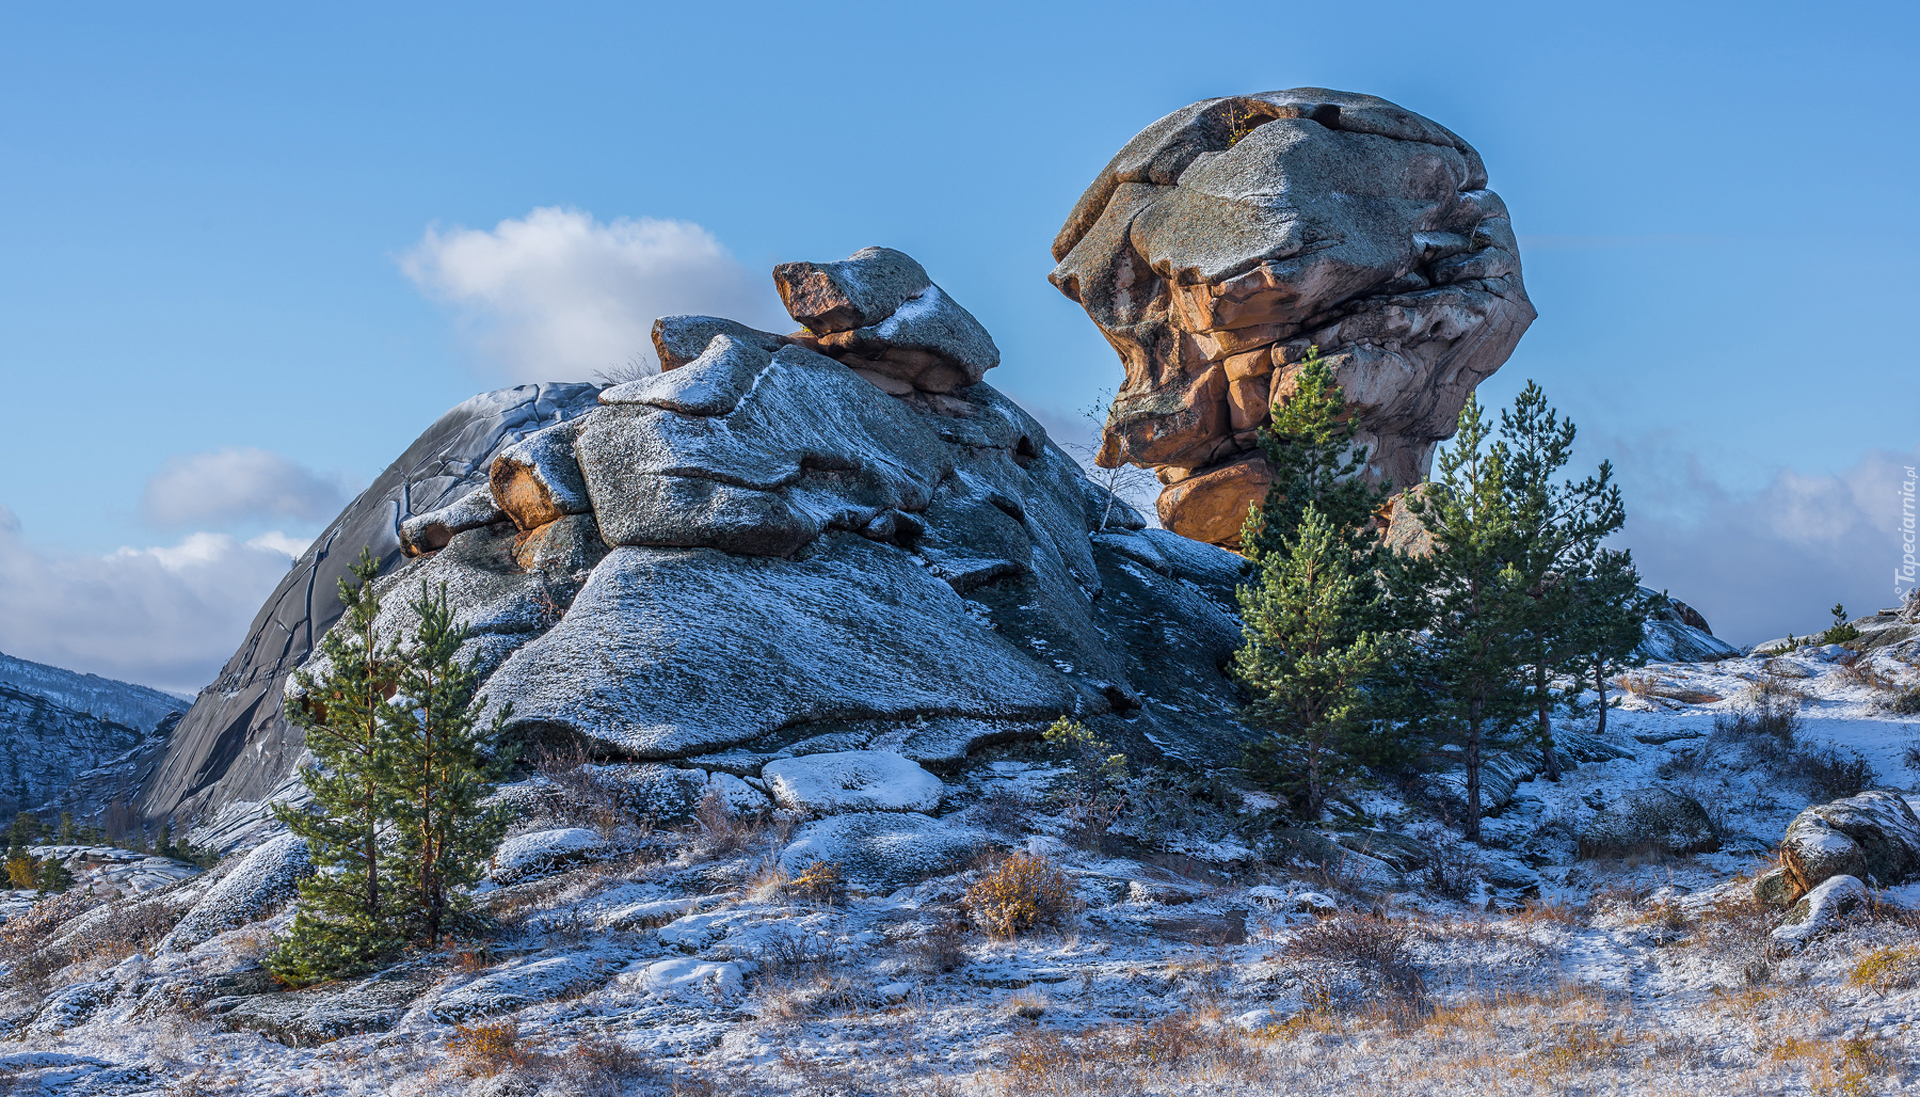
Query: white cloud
column 559, row 296
column 235, row 484
column 1761, row 564
column 167, row 616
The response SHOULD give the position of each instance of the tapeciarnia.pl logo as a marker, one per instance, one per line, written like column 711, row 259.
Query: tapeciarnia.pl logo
column 1905, row 572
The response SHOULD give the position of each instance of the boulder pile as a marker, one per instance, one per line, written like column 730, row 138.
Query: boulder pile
column 823, row 566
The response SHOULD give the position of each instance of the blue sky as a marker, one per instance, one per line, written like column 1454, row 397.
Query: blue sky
column 229, row 292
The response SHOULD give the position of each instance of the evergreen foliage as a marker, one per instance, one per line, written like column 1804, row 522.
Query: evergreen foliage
column 442, row 761
column 1317, row 617
column 1841, row 631
column 1476, row 601
column 1609, row 621
column 1305, row 663
column 395, row 825
column 1558, row 528
column 345, row 919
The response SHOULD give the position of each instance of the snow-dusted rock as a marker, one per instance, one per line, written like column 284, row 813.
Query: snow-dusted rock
column 62, row 1074
column 852, row 780
column 1822, row 909
column 431, row 531
column 1676, row 633
column 807, row 446
column 1650, row 819
column 536, row 480
column 882, row 851
column 251, row 890
column 71, row 1005
column 525, row 856
column 1873, row 835
column 317, row 1015
column 686, row 977
column 522, row 984
column 235, row 745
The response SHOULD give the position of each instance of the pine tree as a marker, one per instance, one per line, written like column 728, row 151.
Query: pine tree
column 69, row 835
column 1309, row 447
column 443, row 764
column 344, row 921
column 1558, row 528
column 1477, row 605
column 52, row 877
column 1304, row 661
column 1610, row 622
column 1317, row 611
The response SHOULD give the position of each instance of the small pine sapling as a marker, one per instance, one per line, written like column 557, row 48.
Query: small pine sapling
column 343, row 922
column 443, row 763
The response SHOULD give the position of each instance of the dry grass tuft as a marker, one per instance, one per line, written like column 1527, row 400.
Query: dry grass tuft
column 486, row 1050
column 1895, row 967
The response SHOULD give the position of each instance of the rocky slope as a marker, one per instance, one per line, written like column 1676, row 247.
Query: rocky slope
column 45, row 748
column 234, row 744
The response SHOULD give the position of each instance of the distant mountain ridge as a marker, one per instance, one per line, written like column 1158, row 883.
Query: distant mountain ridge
column 134, row 706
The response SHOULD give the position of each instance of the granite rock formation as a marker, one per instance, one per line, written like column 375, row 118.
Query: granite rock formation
column 234, row 744
column 1230, row 236
column 780, row 546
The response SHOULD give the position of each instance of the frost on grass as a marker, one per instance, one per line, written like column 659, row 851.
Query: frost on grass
column 989, row 951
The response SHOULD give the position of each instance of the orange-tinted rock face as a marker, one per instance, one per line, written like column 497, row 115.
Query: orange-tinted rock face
column 1232, row 235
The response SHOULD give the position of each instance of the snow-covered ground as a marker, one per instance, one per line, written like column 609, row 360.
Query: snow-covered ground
column 1202, row 954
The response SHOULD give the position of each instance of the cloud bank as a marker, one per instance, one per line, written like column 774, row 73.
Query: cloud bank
column 166, row 616
column 236, row 484
column 1764, row 563
column 559, row 296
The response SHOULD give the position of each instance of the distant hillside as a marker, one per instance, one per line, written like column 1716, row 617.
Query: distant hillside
column 137, row 707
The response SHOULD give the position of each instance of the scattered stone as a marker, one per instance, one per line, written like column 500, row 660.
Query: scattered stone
column 1822, row 909
column 542, row 853
column 857, row 292
column 519, row 985
column 687, row 977
column 854, row 780
column 318, row 1015
column 1874, row 835
column 880, row 852
column 430, row 532
column 1649, row 820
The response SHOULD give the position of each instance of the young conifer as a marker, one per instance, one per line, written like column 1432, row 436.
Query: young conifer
column 443, row 764
column 1315, row 610
column 1477, row 603
column 345, row 919
column 1558, row 528
column 1305, row 664
column 1610, row 622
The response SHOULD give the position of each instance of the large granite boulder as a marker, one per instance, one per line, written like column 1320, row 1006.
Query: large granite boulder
column 1874, row 835
column 774, row 549
column 1230, row 236
column 234, row 744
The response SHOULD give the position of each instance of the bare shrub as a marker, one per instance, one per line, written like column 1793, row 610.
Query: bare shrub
column 1860, row 670
column 1453, row 869
column 1020, row 894
column 1905, row 703
column 941, row 947
column 1830, row 773
column 791, row 951
column 1003, row 808
column 1375, row 947
column 819, row 882
column 584, row 797
column 719, row 830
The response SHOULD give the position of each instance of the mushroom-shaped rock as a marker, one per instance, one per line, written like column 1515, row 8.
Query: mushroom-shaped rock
column 430, row 532
column 804, row 445
column 1822, row 909
column 537, row 481
column 1230, row 236
column 878, row 312
column 852, row 780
